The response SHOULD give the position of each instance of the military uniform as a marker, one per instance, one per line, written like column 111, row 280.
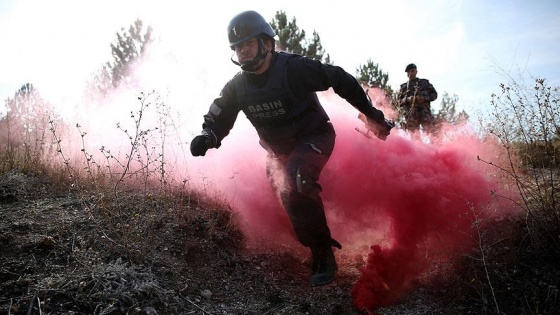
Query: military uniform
column 414, row 113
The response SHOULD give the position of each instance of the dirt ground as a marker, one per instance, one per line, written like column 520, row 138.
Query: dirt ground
column 70, row 253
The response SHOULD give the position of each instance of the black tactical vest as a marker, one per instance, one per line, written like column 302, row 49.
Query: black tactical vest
column 275, row 112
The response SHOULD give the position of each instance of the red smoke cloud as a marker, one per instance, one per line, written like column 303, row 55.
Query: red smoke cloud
column 423, row 195
column 419, row 191
column 404, row 199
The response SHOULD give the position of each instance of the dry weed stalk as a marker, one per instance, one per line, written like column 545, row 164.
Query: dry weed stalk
column 525, row 121
column 113, row 176
column 527, row 127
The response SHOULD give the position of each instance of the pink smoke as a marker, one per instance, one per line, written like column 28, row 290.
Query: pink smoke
column 402, row 198
column 423, row 195
column 395, row 197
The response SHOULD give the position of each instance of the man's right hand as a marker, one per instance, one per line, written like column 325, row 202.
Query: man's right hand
column 200, row 144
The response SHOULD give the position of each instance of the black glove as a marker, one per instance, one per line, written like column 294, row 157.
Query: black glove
column 376, row 115
column 200, row 144
column 385, row 129
column 381, row 128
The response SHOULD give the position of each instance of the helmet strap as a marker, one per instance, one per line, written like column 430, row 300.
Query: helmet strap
column 251, row 64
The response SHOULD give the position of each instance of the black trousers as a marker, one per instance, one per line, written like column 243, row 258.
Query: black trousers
column 294, row 172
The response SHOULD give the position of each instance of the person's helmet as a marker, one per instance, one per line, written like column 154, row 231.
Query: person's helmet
column 246, row 25
column 410, row 67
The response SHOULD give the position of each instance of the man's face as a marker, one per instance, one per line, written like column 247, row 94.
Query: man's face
column 411, row 74
column 247, row 50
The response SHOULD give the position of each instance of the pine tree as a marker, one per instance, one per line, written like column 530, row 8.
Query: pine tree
column 371, row 75
column 128, row 50
column 448, row 112
column 293, row 39
column 26, row 121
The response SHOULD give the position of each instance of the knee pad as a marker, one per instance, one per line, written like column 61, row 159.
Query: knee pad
column 304, row 183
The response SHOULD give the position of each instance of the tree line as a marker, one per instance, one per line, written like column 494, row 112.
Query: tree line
column 132, row 44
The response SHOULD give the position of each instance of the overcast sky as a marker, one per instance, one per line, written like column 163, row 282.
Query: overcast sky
column 462, row 47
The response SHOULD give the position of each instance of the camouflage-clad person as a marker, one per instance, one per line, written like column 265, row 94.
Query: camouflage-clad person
column 414, row 100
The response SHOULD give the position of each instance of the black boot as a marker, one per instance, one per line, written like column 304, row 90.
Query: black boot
column 324, row 266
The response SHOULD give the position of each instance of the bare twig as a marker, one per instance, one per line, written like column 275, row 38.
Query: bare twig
column 39, row 305
column 30, row 308
column 477, row 224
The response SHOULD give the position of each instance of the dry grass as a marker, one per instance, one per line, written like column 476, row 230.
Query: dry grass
column 515, row 268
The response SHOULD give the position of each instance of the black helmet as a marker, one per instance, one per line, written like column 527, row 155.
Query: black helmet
column 410, row 67
column 246, row 25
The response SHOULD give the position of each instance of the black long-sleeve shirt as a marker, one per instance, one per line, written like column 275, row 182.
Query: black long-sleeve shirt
column 305, row 76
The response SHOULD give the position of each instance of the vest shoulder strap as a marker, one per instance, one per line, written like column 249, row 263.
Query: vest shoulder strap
column 278, row 69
